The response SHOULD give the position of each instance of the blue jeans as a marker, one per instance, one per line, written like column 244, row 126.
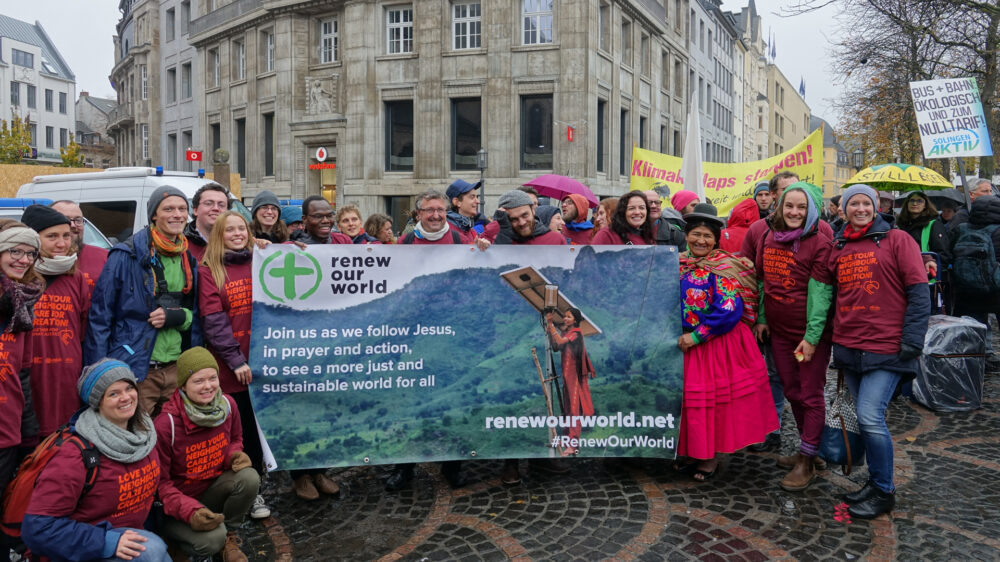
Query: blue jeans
column 872, row 391
column 156, row 549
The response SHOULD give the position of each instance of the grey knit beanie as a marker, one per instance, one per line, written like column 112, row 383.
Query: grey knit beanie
column 264, row 198
column 515, row 198
column 95, row 380
column 159, row 195
column 858, row 189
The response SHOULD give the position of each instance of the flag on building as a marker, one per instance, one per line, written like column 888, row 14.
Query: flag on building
column 802, row 87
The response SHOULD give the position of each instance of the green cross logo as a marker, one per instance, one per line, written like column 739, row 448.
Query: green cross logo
column 285, row 266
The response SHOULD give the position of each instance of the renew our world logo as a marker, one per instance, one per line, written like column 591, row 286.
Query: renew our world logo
column 291, row 275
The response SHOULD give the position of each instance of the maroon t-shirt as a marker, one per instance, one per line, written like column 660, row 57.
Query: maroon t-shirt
column 550, row 238
column 192, row 456
column 236, row 300
column 57, row 336
column 786, row 276
column 579, row 237
column 757, row 230
column 122, row 494
column 607, row 237
column 15, row 354
column 871, row 290
column 89, row 262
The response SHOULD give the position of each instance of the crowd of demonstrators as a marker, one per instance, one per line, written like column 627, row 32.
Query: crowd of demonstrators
column 266, row 215
column 726, row 404
column 208, row 483
column 65, row 520
column 876, row 350
column 791, row 264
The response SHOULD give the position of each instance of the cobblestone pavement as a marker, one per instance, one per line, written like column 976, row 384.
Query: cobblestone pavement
column 948, row 507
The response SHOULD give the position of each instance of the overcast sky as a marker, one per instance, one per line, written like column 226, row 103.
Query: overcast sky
column 83, row 29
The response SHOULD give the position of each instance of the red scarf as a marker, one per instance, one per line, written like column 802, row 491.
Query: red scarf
column 164, row 246
column 852, row 233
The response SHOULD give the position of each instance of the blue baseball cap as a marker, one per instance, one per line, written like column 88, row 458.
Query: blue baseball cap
column 291, row 214
column 460, row 187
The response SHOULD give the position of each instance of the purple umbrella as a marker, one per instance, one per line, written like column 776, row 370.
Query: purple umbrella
column 558, row 187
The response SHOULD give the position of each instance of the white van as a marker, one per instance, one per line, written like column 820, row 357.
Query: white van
column 115, row 199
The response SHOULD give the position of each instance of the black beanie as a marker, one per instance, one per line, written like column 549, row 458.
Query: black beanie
column 161, row 193
column 40, row 217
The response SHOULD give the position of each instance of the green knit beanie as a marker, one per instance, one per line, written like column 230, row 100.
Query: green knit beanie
column 192, row 361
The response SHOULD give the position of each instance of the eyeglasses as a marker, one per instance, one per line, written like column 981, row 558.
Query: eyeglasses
column 434, row 211
column 77, row 221
column 318, row 217
column 654, row 203
column 18, row 253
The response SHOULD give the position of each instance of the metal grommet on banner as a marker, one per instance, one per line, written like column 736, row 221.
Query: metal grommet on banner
column 472, row 453
column 367, row 460
column 369, row 248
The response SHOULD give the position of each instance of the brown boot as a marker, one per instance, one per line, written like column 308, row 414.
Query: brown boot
column 801, row 475
column 789, row 462
column 304, row 487
column 231, row 552
column 325, row 485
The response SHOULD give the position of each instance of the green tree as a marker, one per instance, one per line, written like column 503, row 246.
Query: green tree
column 15, row 140
column 70, row 154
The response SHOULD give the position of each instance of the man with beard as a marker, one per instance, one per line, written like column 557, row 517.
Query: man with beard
column 578, row 229
column 90, row 259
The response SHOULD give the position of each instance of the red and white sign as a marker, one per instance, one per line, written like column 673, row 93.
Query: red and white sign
column 193, row 155
column 321, row 154
column 323, row 166
column 569, row 134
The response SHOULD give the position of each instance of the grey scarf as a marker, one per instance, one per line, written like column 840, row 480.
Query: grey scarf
column 117, row 444
column 55, row 265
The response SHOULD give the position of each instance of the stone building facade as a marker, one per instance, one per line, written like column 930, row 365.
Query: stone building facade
column 91, row 126
column 789, row 113
column 402, row 95
column 756, row 106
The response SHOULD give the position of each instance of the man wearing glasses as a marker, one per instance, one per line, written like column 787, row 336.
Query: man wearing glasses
column 667, row 223
column 210, row 201
column 578, row 229
column 432, row 226
column 89, row 259
column 317, row 224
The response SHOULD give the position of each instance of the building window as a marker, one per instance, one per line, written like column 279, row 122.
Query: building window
column 466, row 133
column 213, row 68
column 328, row 41
column 708, row 98
column 663, row 140
column 399, row 30
column 188, row 143
column 268, row 125
column 15, row 93
column 172, row 151
column 186, row 81
column 399, row 136
column 665, row 71
column 626, row 42
column 467, row 25
column 169, row 24
column 145, row 142
column 143, row 82
column 536, row 132
column 623, row 144
column 679, row 14
column 171, row 85
column 644, row 56
column 267, row 50
column 185, row 16
column 49, row 134
column 537, row 17
column 604, row 27
column 31, row 97
column 63, row 138
column 602, row 118
column 62, row 103
column 239, row 60
column 21, row 58
column 216, row 133
column 701, row 35
column 642, row 132
column 33, row 131
column 241, row 146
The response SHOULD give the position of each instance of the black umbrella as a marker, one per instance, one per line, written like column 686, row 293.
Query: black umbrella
column 947, row 196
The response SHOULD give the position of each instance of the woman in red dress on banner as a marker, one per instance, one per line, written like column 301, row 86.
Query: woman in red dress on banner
column 727, row 402
column 576, row 369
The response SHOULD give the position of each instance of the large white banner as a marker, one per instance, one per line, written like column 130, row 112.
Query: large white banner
column 950, row 118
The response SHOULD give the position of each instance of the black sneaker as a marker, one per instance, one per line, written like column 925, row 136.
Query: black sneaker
column 771, row 443
column 877, row 503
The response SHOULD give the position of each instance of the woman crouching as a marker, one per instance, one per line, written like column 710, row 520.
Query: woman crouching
column 64, row 521
column 208, row 483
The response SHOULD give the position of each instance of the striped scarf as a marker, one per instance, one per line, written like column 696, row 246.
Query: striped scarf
column 729, row 266
column 161, row 245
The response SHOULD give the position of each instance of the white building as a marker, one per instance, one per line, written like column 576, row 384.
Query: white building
column 38, row 86
column 712, row 51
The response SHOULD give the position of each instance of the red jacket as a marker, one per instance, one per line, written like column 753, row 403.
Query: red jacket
column 192, row 456
column 744, row 214
column 606, row 237
column 89, row 262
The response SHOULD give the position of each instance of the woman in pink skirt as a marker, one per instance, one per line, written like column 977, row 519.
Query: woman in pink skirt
column 727, row 403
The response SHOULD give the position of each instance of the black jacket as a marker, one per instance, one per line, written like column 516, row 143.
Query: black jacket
column 938, row 242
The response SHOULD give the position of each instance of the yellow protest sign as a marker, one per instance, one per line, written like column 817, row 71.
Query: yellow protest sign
column 728, row 184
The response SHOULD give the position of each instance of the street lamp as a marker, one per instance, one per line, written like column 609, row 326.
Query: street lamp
column 481, row 162
column 859, row 159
